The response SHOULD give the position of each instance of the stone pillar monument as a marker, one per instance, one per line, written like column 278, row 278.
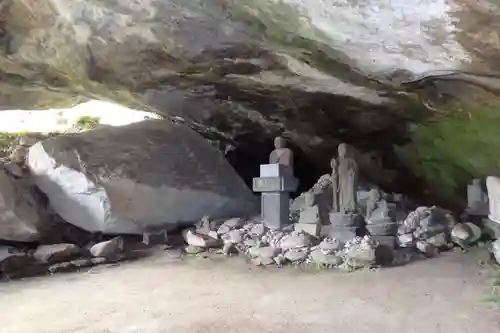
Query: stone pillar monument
column 276, row 181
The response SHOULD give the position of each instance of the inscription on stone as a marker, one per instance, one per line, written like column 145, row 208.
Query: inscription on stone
column 267, row 184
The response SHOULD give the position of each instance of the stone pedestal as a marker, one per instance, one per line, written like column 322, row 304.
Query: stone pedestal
column 155, row 237
column 340, row 220
column 276, row 181
column 343, row 226
column 477, row 199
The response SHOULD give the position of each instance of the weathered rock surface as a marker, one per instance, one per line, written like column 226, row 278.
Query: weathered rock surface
column 55, row 253
column 253, row 69
column 123, row 180
column 20, row 213
column 11, row 260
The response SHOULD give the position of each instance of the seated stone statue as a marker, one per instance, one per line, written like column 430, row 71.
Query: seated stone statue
column 281, row 154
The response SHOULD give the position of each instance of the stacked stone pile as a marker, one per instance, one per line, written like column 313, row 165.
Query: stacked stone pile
column 425, row 232
column 265, row 246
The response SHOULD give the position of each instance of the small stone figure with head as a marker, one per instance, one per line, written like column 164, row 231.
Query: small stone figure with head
column 281, row 154
column 348, row 180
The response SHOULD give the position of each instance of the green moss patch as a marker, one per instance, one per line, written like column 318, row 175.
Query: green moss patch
column 450, row 150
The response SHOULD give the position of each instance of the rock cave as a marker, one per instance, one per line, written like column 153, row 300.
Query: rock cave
column 419, row 107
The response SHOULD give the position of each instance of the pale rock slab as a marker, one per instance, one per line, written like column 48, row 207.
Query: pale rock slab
column 107, row 249
column 121, row 180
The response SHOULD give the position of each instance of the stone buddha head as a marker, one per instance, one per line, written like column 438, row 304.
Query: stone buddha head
column 279, row 142
column 343, row 151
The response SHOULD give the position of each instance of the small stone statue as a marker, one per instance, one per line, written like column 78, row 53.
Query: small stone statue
column 348, row 180
column 371, row 204
column 493, row 186
column 335, row 185
column 281, row 154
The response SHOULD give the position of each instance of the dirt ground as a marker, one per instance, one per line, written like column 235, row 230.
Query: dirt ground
column 166, row 293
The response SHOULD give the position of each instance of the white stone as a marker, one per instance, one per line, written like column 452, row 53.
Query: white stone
column 439, row 241
column 223, row 229
column 427, row 249
column 122, row 180
column 406, row 240
column 234, row 236
column 366, row 255
column 258, row 230
column 55, row 252
column 493, row 187
column 107, row 249
column 465, row 233
column 318, row 257
column 310, row 229
column 266, row 252
column 235, row 222
column 199, row 240
column 330, row 245
column 19, row 214
column 295, row 241
column 296, row 255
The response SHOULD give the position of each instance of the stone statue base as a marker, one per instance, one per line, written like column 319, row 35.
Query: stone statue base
column 339, row 220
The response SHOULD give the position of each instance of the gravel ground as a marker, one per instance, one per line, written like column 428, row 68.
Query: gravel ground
column 165, row 293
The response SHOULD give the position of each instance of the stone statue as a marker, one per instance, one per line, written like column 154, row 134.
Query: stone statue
column 281, row 154
column 348, row 180
column 493, row 186
column 335, row 185
column 371, row 204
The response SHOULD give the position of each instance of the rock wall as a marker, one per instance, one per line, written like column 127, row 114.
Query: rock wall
column 252, row 69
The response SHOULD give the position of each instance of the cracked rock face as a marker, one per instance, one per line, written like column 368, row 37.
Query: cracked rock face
column 245, row 71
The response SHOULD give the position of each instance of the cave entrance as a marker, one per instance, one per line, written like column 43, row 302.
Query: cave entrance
column 253, row 150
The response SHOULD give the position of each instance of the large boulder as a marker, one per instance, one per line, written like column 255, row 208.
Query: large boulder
column 124, row 179
column 20, row 218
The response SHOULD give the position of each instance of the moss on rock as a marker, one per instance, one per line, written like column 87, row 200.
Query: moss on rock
column 449, row 150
